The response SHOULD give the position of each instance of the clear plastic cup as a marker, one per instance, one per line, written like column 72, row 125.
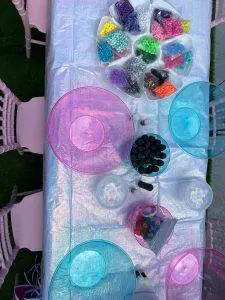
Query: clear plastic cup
column 111, row 191
column 196, row 193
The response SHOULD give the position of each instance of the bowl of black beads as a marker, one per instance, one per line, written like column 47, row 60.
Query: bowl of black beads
column 150, row 155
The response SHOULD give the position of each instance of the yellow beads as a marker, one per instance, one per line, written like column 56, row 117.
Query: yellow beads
column 108, row 28
column 186, row 25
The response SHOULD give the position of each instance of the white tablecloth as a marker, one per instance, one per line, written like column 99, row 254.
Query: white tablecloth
column 71, row 213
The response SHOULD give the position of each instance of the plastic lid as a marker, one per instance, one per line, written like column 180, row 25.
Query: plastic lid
column 94, row 270
column 90, row 130
column 111, row 191
column 196, row 119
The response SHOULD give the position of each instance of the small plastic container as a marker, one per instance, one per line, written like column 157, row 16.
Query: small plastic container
column 196, row 120
column 157, row 87
column 166, row 24
column 132, row 18
column 91, row 130
column 194, row 271
column 94, row 269
column 178, row 55
column 146, row 221
column 111, row 191
column 196, row 193
column 112, row 42
column 150, row 159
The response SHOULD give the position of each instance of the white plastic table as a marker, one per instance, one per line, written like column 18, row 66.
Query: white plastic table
column 71, row 214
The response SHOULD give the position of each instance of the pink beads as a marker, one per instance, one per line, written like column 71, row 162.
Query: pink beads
column 167, row 28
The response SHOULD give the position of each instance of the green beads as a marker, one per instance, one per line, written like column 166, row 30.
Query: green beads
column 149, row 45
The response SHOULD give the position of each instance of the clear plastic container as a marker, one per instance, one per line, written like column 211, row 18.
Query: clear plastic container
column 196, row 193
column 111, row 191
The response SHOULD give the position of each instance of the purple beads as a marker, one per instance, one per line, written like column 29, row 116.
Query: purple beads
column 123, row 9
column 118, row 77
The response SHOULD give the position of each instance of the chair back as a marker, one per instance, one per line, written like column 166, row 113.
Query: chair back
column 8, row 110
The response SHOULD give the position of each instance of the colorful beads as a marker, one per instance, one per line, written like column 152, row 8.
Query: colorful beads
column 118, row 40
column 165, row 25
column 123, row 9
column 128, row 17
column 146, row 155
column 148, row 223
column 157, row 83
column 148, row 44
column 105, row 51
column 135, row 76
column 176, row 56
column 108, row 28
column 118, row 77
column 186, row 25
column 165, row 90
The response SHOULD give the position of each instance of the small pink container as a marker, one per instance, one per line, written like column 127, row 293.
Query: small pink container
column 138, row 210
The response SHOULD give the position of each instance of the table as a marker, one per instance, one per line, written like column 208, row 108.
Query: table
column 70, row 210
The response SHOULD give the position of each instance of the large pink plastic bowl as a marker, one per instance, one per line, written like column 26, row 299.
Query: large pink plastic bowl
column 90, row 130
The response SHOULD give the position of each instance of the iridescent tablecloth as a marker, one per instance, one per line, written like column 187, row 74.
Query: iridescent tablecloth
column 71, row 213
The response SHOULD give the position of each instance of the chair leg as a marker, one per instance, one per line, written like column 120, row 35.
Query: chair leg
column 19, row 4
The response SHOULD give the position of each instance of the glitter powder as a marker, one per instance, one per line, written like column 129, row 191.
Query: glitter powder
column 135, row 67
column 165, row 90
column 108, row 28
column 143, row 18
column 148, row 44
column 118, row 40
column 186, row 25
column 105, row 51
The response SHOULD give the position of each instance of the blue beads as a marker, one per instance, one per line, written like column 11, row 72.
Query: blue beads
column 131, row 23
column 105, row 51
column 174, row 48
column 118, row 40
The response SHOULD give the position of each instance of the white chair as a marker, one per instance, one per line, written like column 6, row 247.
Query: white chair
column 21, row 123
column 25, row 220
column 34, row 14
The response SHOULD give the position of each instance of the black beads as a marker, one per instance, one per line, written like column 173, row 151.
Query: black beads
column 147, row 157
column 146, row 186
